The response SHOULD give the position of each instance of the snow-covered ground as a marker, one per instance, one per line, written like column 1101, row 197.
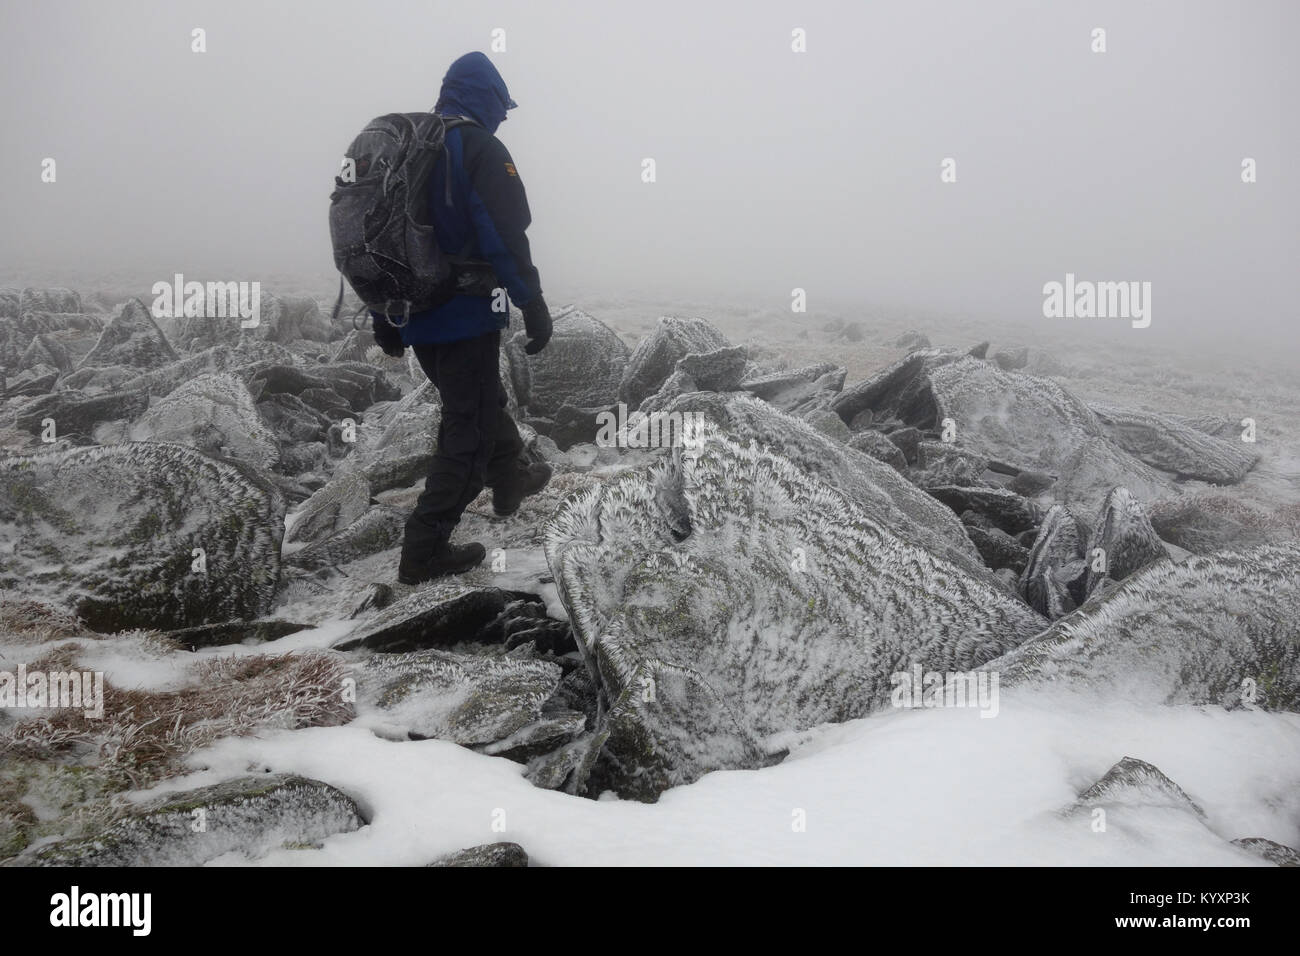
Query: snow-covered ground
column 908, row 787
column 936, row 786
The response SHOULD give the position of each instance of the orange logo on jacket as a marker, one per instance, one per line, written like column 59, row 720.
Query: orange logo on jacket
column 510, row 169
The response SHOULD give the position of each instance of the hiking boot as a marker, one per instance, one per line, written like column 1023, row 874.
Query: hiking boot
column 527, row 480
column 447, row 558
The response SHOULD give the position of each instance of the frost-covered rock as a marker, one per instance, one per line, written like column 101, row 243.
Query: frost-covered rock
column 141, row 534
column 515, row 362
column 880, row 448
column 872, row 485
column 1279, row 854
column 940, row 463
column 132, row 339
column 582, row 365
column 336, row 389
column 1168, row 443
column 1011, row 359
column 1088, row 473
column 394, row 447
column 696, row 587
column 1023, row 422
column 335, row 506
column 1210, row 522
column 1029, row 421
column 36, row 381
column 788, row 388
column 912, row 339
column 240, row 359
column 74, row 413
column 1052, row 582
column 828, row 423
column 444, row 613
column 281, row 318
column 250, row 816
column 233, row 632
column 674, row 386
column 1122, row 542
column 294, row 318
column 998, row 549
column 375, row 597
column 1030, row 484
column 894, row 391
column 354, row 347
column 467, row 699
column 718, row 371
column 1229, row 429
column 656, row 356
column 1134, row 783
column 15, row 302
column 1210, row 629
column 12, row 346
column 378, row 529
column 215, row 414
column 489, row 854
column 1005, row 509
column 45, row 349
column 294, row 422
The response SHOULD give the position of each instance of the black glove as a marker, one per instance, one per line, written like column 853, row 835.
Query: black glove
column 388, row 338
column 537, row 323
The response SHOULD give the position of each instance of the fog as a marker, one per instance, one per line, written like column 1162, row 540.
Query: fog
column 775, row 169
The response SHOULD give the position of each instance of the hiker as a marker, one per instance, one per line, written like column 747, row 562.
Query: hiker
column 481, row 214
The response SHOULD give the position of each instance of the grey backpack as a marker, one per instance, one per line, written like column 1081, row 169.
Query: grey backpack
column 380, row 221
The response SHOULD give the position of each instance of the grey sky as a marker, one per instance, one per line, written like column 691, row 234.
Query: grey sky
column 775, row 169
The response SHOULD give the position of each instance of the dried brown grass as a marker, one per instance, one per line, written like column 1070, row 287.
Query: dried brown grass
column 145, row 735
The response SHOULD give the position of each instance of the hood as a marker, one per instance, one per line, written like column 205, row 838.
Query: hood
column 474, row 88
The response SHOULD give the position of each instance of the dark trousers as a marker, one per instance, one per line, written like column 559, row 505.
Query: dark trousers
column 478, row 442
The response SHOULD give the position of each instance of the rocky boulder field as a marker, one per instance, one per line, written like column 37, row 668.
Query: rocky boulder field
column 754, row 537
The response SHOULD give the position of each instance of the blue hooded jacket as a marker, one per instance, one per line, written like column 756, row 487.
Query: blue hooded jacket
column 488, row 213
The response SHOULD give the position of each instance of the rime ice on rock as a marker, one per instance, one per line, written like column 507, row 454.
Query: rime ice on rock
column 1123, row 536
column 241, row 360
column 876, row 487
column 1175, row 446
column 395, row 445
column 331, row 509
column 1026, row 422
column 466, row 699
column 780, row 581
column 582, row 365
column 250, row 815
column 1209, row 522
column 379, row 529
column 489, row 854
column 215, row 414
column 1053, row 580
column 1135, row 783
column 281, row 318
column 657, row 355
column 15, row 303
column 111, row 533
column 75, row 413
column 132, row 339
column 445, row 612
column 1192, row 632
column 1278, row 854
